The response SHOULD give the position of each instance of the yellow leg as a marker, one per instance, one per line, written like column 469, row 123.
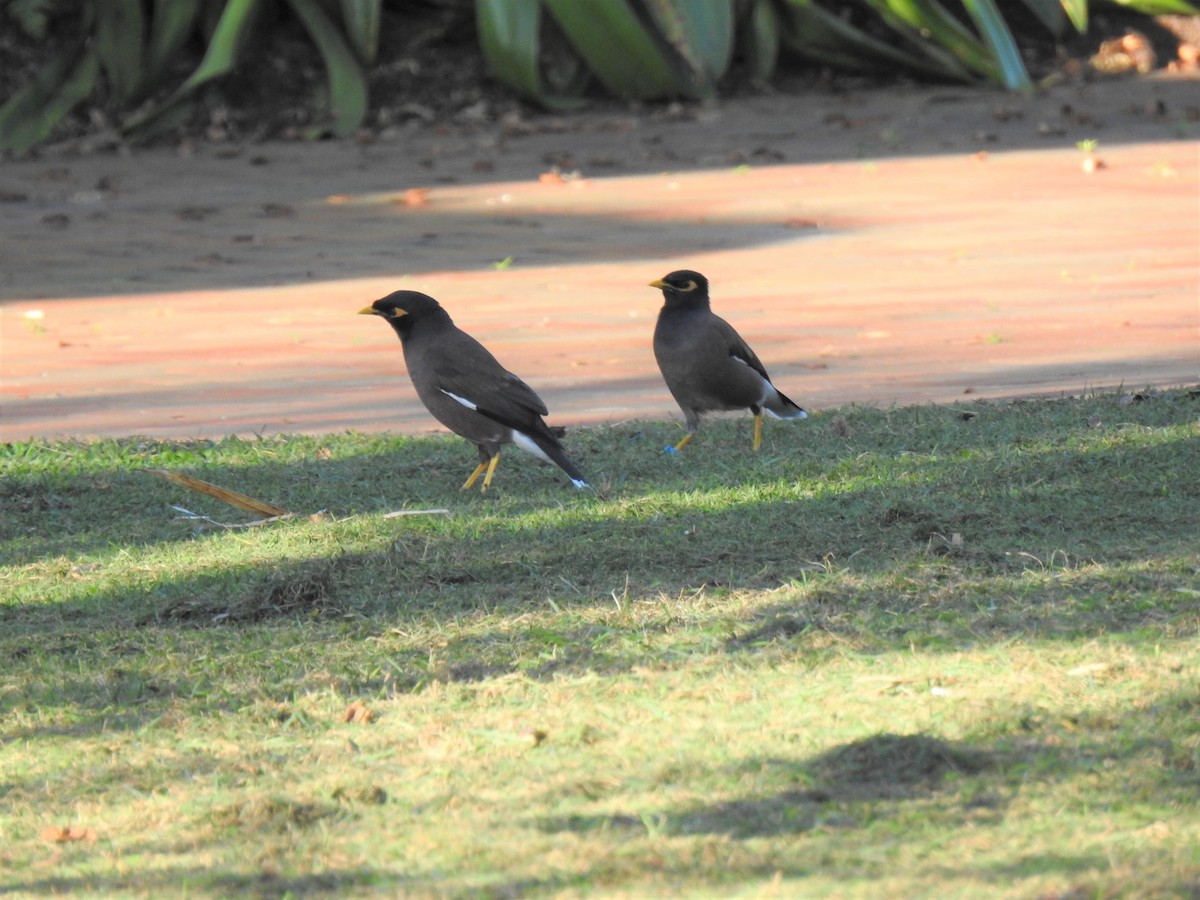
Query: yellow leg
column 757, row 431
column 687, row 437
column 492, row 463
column 470, row 482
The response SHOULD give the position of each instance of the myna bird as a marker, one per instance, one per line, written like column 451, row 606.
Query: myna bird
column 466, row 390
column 706, row 364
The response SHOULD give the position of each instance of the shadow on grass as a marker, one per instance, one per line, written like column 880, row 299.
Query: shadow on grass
column 850, row 789
column 855, row 537
column 171, row 881
column 841, row 795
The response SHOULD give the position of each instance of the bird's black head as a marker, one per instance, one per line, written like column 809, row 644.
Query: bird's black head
column 404, row 309
column 684, row 288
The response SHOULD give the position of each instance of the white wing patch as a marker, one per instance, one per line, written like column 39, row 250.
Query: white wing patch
column 463, row 400
column 772, row 393
column 526, row 443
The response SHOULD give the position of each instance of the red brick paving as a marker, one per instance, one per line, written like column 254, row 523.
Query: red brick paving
column 903, row 279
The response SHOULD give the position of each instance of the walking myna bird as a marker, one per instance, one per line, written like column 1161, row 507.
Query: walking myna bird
column 466, row 390
column 706, row 364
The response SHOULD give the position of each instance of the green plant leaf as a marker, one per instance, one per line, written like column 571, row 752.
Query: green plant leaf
column 120, row 30
column 758, row 40
column 30, row 115
column 361, row 18
column 932, row 31
column 221, row 54
column 817, row 34
column 235, row 23
column 347, row 84
column 1159, row 7
column 1077, row 13
column 171, row 22
column 998, row 37
column 701, row 33
column 1053, row 13
column 625, row 55
column 510, row 34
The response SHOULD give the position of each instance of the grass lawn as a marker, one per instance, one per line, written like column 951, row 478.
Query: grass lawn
column 896, row 653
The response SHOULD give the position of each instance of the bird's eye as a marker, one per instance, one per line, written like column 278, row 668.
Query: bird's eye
column 689, row 286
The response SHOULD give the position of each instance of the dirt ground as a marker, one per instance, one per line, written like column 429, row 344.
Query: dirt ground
column 897, row 245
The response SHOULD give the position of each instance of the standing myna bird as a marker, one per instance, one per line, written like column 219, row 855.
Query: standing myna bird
column 706, row 364
column 466, row 390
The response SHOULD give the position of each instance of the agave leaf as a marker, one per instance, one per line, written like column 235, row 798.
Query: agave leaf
column 510, row 33
column 701, row 32
column 1159, row 7
column 625, row 55
column 815, row 33
column 221, row 55
column 758, row 40
column 32, row 112
column 1053, row 13
column 120, row 26
column 361, row 18
column 176, row 115
column 347, row 83
column 1004, row 49
column 932, row 31
column 170, row 24
column 1076, row 10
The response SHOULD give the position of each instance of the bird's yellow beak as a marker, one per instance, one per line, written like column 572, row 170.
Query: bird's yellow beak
column 368, row 311
column 659, row 283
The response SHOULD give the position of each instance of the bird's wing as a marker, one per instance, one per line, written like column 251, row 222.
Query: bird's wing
column 738, row 348
column 467, row 372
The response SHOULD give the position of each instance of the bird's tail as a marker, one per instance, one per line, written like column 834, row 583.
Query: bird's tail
column 547, row 448
column 779, row 406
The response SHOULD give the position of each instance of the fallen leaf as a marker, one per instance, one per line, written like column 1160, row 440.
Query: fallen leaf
column 233, row 498
column 62, row 834
column 358, row 712
column 841, row 427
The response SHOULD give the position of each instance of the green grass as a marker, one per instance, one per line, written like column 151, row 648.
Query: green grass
column 904, row 652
